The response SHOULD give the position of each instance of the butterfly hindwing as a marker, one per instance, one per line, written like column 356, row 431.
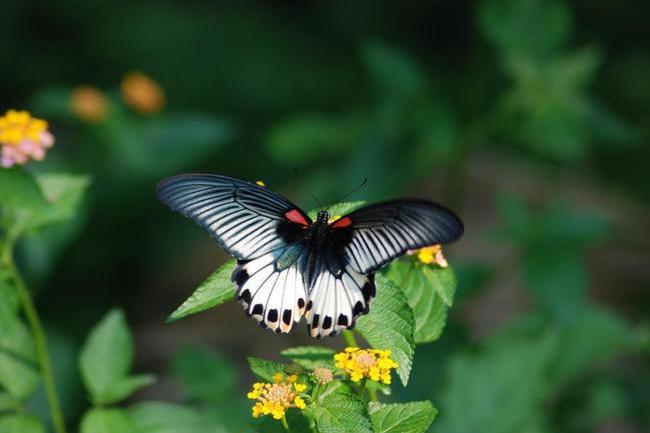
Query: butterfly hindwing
column 336, row 301
column 270, row 291
column 374, row 235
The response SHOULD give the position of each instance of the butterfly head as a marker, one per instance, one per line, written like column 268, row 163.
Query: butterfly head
column 323, row 216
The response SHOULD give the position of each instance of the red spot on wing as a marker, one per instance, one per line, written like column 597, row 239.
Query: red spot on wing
column 341, row 222
column 295, row 216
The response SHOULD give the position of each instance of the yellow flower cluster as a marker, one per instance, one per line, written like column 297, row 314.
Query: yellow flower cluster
column 432, row 255
column 275, row 398
column 22, row 137
column 371, row 363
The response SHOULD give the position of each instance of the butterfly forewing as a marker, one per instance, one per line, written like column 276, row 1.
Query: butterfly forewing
column 241, row 216
column 374, row 235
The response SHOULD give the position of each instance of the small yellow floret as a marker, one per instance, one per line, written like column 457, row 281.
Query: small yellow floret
column 22, row 137
column 275, row 398
column 373, row 364
column 260, row 183
column 432, row 255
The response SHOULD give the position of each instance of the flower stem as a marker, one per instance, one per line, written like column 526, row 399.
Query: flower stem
column 372, row 394
column 284, row 423
column 39, row 335
column 350, row 340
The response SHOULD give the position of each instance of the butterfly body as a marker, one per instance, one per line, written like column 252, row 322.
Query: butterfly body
column 291, row 267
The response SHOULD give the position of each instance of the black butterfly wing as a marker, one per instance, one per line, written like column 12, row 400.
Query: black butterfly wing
column 246, row 219
column 260, row 228
column 374, row 235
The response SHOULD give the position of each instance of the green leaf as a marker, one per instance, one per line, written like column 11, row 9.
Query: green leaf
column 557, row 279
column 21, row 199
column 123, row 388
column 443, row 280
column 29, row 203
column 265, row 369
column 425, row 287
column 9, row 297
column 19, row 372
column 20, row 424
column 7, row 403
column 341, row 413
column 306, row 138
column 159, row 417
column 338, row 209
column 395, row 74
column 152, row 147
column 106, row 359
column 207, row 375
column 107, row 421
column 484, row 380
column 545, row 24
column 63, row 193
column 414, row 417
column 310, row 357
column 391, row 325
column 296, row 420
column 216, row 290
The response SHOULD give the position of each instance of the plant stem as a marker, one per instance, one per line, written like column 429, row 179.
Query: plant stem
column 372, row 394
column 284, row 423
column 39, row 335
column 350, row 340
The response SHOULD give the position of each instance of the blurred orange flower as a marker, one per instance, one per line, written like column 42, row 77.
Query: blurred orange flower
column 89, row 104
column 22, row 137
column 142, row 93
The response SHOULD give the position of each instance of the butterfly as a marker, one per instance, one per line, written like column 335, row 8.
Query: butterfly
column 289, row 266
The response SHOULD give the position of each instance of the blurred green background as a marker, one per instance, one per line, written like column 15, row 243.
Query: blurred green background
column 530, row 118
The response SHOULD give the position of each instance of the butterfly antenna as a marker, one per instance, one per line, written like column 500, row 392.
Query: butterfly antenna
column 295, row 170
column 344, row 196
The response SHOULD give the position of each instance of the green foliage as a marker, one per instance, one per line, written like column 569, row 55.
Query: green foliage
column 310, row 356
column 544, row 358
column 107, row 421
column 551, row 244
column 296, row 421
column 525, row 28
column 217, row 289
column 160, row 417
column 29, row 203
column 429, row 291
column 137, row 142
column 207, row 376
column 20, row 424
column 414, row 417
column 264, row 369
column 341, row 412
column 19, row 373
column 106, row 359
column 391, row 325
column 10, row 303
column 307, row 138
column 338, row 209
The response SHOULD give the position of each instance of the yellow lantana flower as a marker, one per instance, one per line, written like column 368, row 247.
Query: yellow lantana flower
column 373, row 364
column 23, row 137
column 275, row 398
column 432, row 255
